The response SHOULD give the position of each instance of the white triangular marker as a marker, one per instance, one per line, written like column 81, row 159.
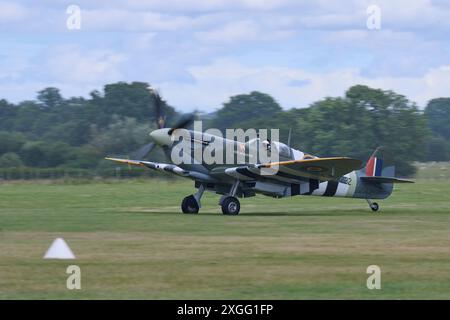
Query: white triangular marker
column 59, row 250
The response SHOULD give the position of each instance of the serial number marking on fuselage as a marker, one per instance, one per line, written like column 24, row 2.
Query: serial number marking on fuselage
column 346, row 180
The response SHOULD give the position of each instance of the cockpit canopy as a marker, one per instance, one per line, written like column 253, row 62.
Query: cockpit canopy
column 283, row 150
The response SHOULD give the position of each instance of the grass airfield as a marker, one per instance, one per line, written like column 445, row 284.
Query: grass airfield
column 131, row 242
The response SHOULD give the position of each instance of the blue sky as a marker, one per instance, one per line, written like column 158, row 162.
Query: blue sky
column 198, row 53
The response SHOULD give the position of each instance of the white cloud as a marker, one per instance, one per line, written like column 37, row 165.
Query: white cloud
column 143, row 41
column 72, row 64
column 321, row 46
column 16, row 90
column 194, row 6
column 115, row 19
column 230, row 33
column 177, row 15
column 11, row 12
column 242, row 31
column 215, row 82
column 370, row 38
column 12, row 67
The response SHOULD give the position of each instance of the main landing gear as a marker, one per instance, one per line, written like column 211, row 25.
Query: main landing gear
column 373, row 205
column 191, row 204
column 229, row 203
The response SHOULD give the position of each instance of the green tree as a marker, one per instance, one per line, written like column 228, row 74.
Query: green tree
column 50, row 97
column 10, row 160
column 133, row 100
column 395, row 123
column 30, row 119
column 75, row 132
column 8, row 113
column 438, row 149
column 11, row 141
column 122, row 136
column 84, row 157
column 57, row 153
column 78, row 132
column 363, row 120
column 33, row 153
column 240, row 109
column 437, row 112
column 336, row 126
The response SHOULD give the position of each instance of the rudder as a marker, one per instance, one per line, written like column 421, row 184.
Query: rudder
column 374, row 166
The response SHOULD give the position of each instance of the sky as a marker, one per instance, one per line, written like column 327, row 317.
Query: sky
column 199, row 53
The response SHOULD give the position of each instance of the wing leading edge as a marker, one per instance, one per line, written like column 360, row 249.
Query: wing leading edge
column 153, row 165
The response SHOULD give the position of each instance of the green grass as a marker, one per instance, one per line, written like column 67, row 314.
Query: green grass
column 131, row 242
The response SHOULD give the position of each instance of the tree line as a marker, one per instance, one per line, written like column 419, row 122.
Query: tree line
column 76, row 133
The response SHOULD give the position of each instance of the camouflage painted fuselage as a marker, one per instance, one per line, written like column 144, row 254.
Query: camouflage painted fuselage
column 219, row 178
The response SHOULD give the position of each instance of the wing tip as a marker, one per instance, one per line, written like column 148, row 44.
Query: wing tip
column 126, row 161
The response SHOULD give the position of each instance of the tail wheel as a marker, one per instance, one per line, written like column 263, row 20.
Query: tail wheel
column 374, row 206
column 189, row 205
column 230, row 206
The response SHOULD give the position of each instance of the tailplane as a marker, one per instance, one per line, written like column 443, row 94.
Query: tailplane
column 386, row 180
column 380, row 169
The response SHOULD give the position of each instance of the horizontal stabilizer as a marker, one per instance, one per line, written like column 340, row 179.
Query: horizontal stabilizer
column 386, row 180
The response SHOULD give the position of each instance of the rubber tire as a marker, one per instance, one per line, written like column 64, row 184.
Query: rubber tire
column 189, row 205
column 230, row 206
column 374, row 207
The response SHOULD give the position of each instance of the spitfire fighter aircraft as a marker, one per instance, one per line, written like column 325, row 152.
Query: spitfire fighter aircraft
column 297, row 173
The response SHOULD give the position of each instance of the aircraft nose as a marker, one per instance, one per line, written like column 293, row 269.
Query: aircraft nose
column 161, row 137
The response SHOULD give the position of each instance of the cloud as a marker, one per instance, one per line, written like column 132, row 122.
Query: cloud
column 390, row 53
column 201, row 52
column 12, row 67
column 230, row 33
column 241, row 31
column 11, row 12
column 153, row 15
column 192, row 6
column 215, row 82
column 115, row 20
column 75, row 65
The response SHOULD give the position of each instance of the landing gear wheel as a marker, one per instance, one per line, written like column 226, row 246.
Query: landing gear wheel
column 231, row 206
column 189, row 205
column 374, row 206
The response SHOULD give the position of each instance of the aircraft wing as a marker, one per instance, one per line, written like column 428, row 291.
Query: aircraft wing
column 322, row 169
column 153, row 165
column 318, row 168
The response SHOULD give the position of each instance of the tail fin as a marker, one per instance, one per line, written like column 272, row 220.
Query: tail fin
column 374, row 166
column 380, row 170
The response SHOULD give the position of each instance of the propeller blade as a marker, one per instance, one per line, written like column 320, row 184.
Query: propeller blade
column 142, row 152
column 160, row 119
column 184, row 122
